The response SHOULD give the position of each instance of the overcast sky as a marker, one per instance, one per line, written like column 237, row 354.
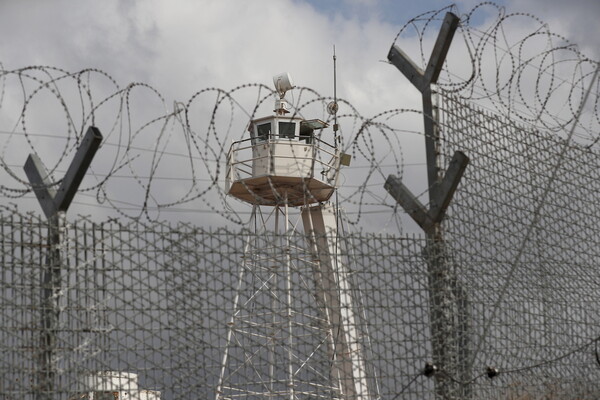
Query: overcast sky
column 182, row 46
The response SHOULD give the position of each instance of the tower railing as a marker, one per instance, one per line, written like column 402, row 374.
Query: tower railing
column 314, row 158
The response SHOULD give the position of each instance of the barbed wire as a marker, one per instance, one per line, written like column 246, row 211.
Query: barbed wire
column 136, row 116
column 140, row 141
column 515, row 65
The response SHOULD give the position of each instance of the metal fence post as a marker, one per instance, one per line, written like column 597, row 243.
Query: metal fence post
column 50, row 307
column 55, row 203
column 446, row 296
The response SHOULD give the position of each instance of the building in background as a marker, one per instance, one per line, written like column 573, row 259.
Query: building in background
column 112, row 385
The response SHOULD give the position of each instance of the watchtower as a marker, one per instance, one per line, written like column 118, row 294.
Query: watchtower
column 283, row 161
column 294, row 331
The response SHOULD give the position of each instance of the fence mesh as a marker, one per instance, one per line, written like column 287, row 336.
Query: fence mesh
column 156, row 300
column 524, row 247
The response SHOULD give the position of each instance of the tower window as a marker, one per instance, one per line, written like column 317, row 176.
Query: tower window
column 287, row 130
column 263, row 131
column 306, row 133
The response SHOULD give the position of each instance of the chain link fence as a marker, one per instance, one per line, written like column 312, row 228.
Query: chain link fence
column 156, row 300
column 523, row 240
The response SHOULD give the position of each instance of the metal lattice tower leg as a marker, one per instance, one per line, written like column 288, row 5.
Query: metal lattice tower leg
column 276, row 345
column 292, row 333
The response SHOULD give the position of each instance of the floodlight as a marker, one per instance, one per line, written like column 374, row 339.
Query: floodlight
column 283, row 83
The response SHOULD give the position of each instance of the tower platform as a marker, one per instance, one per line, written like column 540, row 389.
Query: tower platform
column 282, row 163
column 274, row 190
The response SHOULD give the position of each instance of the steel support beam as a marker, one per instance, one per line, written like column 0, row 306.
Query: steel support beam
column 55, row 204
column 333, row 290
column 447, row 299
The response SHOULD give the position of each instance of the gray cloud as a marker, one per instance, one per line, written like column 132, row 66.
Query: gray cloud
column 576, row 20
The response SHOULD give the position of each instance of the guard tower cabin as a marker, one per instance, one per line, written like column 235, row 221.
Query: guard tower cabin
column 283, row 161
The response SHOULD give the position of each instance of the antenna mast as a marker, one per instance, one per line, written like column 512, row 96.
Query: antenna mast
column 335, row 124
column 332, row 107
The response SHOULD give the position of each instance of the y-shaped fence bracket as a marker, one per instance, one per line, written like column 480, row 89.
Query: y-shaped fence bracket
column 55, row 203
column 441, row 190
column 51, row 200
column 428, row 219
